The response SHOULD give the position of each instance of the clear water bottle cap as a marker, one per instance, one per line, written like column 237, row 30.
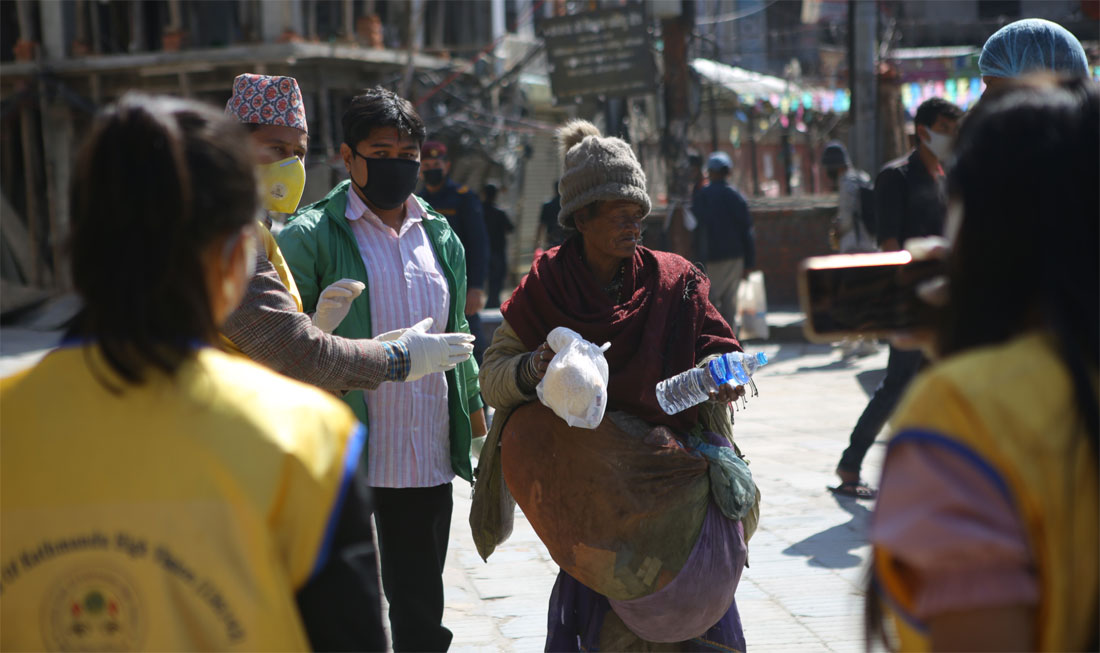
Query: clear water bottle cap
column 761, row 358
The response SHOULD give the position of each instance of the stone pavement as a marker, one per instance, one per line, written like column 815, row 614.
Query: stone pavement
column 803, row 590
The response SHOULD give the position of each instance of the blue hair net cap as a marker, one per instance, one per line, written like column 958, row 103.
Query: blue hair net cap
column 1030, row 45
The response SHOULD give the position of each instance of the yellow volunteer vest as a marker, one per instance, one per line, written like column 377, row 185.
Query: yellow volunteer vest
column 1013, row 407
column 179, row 515
column 276, row 258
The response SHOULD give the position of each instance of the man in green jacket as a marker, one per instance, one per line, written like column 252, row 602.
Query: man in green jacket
column 372, row 229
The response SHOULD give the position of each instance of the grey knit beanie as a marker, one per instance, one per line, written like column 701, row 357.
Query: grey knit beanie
column 596, row 168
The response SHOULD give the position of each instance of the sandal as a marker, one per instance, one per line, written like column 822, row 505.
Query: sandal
column 855, row 489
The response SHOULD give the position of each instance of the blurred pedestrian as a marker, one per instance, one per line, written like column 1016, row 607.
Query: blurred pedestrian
column 1030, row 45
column 269, row 326
column 698, row 177
column 550, row 233
column 724, row 236
column 175, row 497
column 463, row 211
column 985, row 533
column 373, row 229
column 910, row 201
column 498, row 226
column 854, row 225
column 855, row 219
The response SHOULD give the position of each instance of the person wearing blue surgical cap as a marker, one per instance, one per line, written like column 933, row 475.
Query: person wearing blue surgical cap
column 1031, row 45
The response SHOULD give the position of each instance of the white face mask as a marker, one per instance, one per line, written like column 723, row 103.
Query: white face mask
column 940, row 145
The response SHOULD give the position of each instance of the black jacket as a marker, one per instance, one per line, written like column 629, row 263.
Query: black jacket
column 909, row 202
column 725, row 224
column 462, row 209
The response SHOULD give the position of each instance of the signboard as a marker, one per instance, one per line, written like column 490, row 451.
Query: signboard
column 605, row 52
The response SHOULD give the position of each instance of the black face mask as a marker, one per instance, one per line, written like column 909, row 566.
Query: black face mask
column 389, row 181
column 433, row 177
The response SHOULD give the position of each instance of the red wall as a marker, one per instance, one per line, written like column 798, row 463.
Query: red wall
column 787, row 231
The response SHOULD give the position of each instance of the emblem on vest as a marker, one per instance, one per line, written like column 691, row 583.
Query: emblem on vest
column 93, row 610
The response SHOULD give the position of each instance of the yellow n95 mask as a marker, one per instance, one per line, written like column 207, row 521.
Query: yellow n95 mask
column 282, row 184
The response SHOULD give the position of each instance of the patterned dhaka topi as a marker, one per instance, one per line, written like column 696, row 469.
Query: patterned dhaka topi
column 267, row 100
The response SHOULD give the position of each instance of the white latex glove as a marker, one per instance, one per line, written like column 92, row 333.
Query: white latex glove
column 335, row 302
column 432, row 352
column 391, row 335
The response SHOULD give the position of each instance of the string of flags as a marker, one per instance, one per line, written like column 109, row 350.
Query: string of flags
column 823, row 100
column 962, row 91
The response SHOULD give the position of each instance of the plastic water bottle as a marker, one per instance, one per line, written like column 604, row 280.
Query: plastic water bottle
column 695, row 385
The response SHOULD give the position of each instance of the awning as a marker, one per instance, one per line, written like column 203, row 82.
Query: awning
column 743, row 82
column 752, row 87
column 949, row 52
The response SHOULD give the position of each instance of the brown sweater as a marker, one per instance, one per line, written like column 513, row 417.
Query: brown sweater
column 269, row 328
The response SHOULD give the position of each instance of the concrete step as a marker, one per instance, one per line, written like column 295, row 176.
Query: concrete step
column 785, row 325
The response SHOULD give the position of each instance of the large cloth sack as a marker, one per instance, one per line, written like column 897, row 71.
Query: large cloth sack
column 700, row 594
column 619, row 512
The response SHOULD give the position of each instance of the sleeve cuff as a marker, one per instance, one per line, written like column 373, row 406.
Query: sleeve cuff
column 525, row 378
column 397, row 360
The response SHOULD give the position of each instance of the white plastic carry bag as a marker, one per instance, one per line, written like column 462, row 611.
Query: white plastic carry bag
column 575, row 383
column 752, row 307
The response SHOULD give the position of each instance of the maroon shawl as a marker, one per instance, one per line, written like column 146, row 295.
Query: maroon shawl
column 664, row 324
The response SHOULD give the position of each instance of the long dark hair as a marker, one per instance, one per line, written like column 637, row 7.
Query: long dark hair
column 1026, row 255
column 157, row 182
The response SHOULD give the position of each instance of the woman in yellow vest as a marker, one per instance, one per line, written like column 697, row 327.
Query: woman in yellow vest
column 985, row 532
column 156, row 493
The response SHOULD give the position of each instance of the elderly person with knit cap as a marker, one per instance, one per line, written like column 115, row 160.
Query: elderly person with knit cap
column 604, row 285
column 1031, row 45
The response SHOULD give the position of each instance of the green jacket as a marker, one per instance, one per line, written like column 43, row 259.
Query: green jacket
column 319, row 248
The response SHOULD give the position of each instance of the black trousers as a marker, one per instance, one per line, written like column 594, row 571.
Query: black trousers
column 901, row 367
column 479, row 340
column 498, row 269
column 414, row 525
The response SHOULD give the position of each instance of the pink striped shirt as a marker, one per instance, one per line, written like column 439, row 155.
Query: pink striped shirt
column 409, row 425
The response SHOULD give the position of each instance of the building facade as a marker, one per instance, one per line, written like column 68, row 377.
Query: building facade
column 464, row 63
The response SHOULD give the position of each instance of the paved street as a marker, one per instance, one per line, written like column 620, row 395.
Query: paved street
column 804, row 587
column 803, row 591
